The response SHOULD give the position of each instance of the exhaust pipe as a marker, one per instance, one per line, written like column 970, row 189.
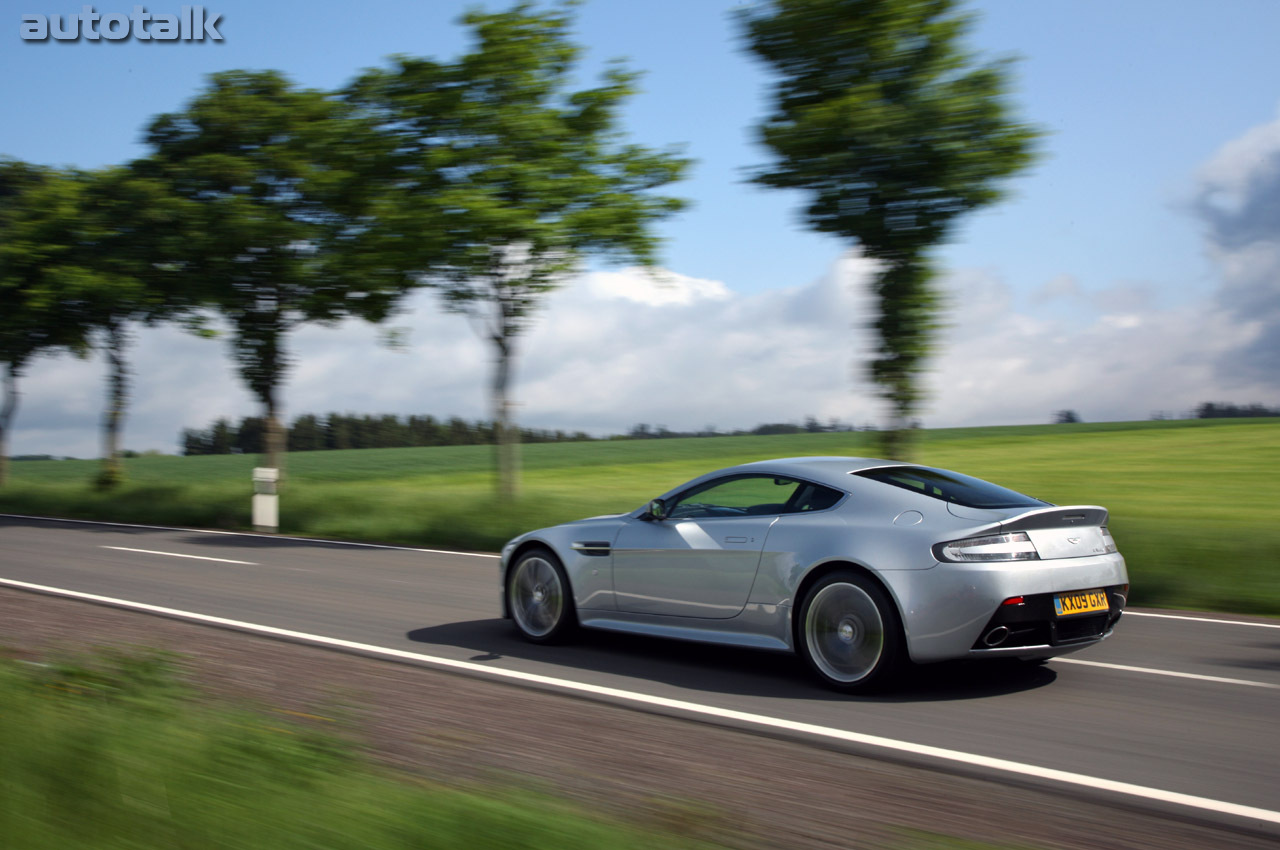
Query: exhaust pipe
column 996, row 636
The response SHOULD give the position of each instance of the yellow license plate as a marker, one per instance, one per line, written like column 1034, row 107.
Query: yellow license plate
column 1084, row 602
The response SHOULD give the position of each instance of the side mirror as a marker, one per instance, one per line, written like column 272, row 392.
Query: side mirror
column 656, row 510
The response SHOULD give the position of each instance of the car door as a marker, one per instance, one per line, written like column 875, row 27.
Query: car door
column 702, row 559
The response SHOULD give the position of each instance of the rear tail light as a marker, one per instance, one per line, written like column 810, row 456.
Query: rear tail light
column 1108, row 543
column 1013, row 546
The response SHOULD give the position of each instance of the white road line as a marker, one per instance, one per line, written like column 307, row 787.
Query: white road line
column 180, row 555
column 1129, row 613
column 742, row 717
column 253, row 534
column 1154, row 672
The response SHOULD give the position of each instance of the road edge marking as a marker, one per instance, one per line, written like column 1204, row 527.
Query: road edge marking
column 180, row 555
column 747, row 719
column 253, row 534
column 1171, row 673
column 1129, row 613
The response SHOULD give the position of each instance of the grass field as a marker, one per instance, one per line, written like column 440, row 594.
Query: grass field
column 110, row 752
column 1195, row 504
column 118, row 750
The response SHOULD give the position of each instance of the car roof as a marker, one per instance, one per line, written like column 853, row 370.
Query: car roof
column 833, row 471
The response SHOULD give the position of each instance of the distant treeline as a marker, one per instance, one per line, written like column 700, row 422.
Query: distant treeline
column 1222, row 410
column 346, row 431
column 310, row 433
column 810, row 426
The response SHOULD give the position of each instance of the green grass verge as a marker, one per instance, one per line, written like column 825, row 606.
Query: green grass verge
column 1193, row 503
column 114, row 751
column 107, row 753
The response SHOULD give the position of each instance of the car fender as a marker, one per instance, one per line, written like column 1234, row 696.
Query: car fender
column 587, row 564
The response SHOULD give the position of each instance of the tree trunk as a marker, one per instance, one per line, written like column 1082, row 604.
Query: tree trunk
column 274, row 438
column 895, row 441
column 260, row 352
column 7, row 409
column 506, row 435
column 117, row 399
column 908, row 308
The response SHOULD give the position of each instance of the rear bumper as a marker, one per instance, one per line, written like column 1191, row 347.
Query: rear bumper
column 1041, row 651
column 949, row 609
column 1032, row 627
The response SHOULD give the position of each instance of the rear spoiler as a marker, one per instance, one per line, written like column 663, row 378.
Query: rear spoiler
column 1072, row 516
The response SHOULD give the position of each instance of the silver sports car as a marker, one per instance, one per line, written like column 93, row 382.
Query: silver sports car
column 856, row 564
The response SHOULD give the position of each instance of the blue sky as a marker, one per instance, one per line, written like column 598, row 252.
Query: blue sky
column 1137, row 97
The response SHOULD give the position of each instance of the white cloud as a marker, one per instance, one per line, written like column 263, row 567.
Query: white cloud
column 1000, row 366
column 1062, row 286
column 609, row 351
column 618, row 348
column 603, row 356
column 654, row 288
column 1238, row 199
column 1230, row 179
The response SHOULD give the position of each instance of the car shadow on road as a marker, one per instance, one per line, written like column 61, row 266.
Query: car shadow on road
column 1267, row 662
column 725, row 669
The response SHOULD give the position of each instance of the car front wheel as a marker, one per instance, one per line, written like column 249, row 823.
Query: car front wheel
column 539, row 598
column 849, row 633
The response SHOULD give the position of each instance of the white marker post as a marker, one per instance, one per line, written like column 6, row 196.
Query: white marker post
column 266, row 499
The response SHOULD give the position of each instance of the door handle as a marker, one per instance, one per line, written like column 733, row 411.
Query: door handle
column 735, row 540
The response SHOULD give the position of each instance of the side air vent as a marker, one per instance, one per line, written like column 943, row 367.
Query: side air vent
column 596, row 548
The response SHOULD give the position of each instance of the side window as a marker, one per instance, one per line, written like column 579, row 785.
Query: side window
column 815, row 497
column 951, row 487
column 744, row 495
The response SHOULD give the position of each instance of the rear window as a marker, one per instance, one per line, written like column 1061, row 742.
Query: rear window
column 951, row 487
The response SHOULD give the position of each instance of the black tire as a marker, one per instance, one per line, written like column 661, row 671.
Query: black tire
column 539, row 597
column 850, row 634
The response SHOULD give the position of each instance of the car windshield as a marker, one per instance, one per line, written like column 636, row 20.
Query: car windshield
column 951, row 487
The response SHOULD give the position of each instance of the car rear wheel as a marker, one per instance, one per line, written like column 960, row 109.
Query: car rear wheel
column 849, row 633
column 539, row 597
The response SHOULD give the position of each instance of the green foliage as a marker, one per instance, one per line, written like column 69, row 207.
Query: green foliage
column 500, row 180
column 267, row 189
column 108, row 752
column 893, row 130
column 1191, row 501
column 39, row 262
column 78, row 264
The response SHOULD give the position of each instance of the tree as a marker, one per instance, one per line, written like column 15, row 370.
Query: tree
column 268, row 189
column 893, row 130
column 220, row 438
column 306, row 435
column 91, row 238
column 1066, row 417
column 194, row 442
column 1224, row 410
column 124, row 229
column 83, row 243
column 38, row 211
column 503, row 181
column 250, row 437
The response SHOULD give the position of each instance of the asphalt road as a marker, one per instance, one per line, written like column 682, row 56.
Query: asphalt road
column 1200, row 715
